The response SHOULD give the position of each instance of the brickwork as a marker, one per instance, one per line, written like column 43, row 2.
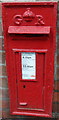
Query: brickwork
column 4, row 95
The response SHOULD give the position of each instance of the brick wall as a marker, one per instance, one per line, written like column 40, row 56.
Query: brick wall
column 4, row 95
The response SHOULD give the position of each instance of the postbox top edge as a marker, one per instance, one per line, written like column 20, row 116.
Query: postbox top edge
column 44, row 3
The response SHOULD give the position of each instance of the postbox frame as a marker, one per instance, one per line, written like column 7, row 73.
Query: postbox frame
column 13, row 87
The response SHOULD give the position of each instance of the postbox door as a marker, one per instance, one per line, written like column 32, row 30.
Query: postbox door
column 30, row 67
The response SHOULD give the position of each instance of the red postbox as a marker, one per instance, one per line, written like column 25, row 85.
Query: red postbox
column 30, row 40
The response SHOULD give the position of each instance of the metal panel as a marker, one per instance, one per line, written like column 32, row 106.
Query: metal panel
column 29, row 30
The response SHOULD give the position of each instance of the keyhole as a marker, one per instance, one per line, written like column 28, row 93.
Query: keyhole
column 24, row 86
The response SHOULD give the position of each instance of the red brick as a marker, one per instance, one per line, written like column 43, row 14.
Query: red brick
column 0, row 82
column 3, row 70
column 0, row 113
column 4, row 82
column 55, row 107
column 3, row 58
column 0, row 70
column 0, row 93
column 57, row 73
column 58, row 7
column 58, row 59
column 1, row 104
column 56, row 85
column 57, row 44
column 0, row 10
column 5, row 93
column 0, row 43
column 1, row 33
column 5, row 104
column 56, row 97
column 6, row 114
column 58, row 17
column 58, row 27
column 58, row 108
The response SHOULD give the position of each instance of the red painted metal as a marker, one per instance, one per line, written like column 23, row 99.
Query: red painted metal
column 29, row 30
column 28, row 27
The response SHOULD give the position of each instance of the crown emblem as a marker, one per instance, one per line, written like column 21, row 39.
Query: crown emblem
column 28, row 15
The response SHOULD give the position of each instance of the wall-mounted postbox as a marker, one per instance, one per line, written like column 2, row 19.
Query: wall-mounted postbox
column 30, row 40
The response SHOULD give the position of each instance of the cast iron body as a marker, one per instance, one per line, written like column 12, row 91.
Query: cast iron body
column 30, row 28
